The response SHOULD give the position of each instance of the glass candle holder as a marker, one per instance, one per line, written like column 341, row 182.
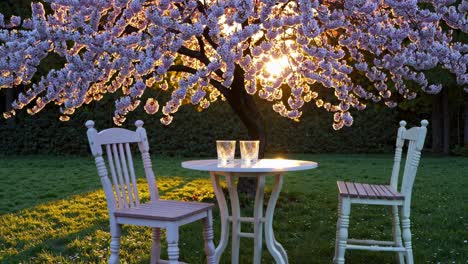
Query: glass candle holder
column 249, row 151
column 226, row 150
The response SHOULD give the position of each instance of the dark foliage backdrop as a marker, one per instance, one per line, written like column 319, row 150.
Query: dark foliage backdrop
column 194, row 133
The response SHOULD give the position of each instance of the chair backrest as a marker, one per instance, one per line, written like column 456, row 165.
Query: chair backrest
column 415, row 137
column 122, row 192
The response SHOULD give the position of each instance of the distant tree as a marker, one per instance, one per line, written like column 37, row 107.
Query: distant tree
column 287, row 52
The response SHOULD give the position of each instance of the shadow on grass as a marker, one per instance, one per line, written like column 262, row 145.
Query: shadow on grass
column 72, row 228
column 36, row 180
column 70, row 223
column 48, row 247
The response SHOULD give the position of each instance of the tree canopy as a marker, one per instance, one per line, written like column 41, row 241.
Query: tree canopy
column 284, row 51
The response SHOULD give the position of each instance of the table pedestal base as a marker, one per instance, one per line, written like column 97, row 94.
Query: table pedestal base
column 260, row 223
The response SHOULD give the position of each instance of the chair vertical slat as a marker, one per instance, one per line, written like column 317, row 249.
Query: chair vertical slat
column 125, row 172
column 114, row 176
column 132, row 173
column 407, row 174
column 126, row 202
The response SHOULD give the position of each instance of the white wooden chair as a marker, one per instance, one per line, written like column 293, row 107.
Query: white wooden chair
column 123, row 200
column 388, row 195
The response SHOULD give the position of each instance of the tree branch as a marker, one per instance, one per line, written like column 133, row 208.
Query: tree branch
column 206, row 35
column 192, row 54
column 199, row 56
column 201, row 44
column 221, row 88
column 182, row 68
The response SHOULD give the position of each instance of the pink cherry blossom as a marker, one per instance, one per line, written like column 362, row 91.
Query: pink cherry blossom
column 196, row 50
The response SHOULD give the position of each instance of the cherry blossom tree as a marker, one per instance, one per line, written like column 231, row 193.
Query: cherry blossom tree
column 283, row 51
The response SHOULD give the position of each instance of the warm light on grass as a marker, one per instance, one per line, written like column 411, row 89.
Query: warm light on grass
column 78, row 226
column 53, row 210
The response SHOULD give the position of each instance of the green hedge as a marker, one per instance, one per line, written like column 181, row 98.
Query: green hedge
column 194, row 133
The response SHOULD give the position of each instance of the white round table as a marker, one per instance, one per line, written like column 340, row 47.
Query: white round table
column 260, row 170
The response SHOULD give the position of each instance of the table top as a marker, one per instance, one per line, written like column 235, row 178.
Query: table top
column 263, row 165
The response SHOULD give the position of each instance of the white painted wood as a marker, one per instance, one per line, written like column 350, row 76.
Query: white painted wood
column 261, row 173
column 244, row 219
column 117, row 160
column 397, row 233
column 208, row 236
column 172, row 237
column 116, row 136
column 248, row 235
column 343, row 229
column 279, row 247
column 224, row 215
column 275, row 249
column 160, row 223
column 132, row 174
column 144, row 149
column 398, row 152
column 401, row 243
column 376, row 202
column 411, row 134
column 370, row 242
column 405, row 223
column 156, row 245
column 258, row 219
column 263, row 165
column 128, row 185
column 117, row 186
column 161, row 261
column 122, row 195
column 116, row 232
column 375, row 248
column 338, row 223
column 236, row 224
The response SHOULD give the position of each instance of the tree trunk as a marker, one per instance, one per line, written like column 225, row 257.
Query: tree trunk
column 436, row 124
column 446, row 121
column 245, row 107
column 465, row 121
column 9, row 96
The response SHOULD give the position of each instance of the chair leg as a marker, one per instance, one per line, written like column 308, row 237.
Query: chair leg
column 343, row 235
column 397, row 233
column 407, row 238
column 156, row 246
column 116, row 232
column 172, row 237
column 208, row 237
column 337, row 238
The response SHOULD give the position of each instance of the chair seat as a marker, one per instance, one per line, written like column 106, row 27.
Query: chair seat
column 368, row 191
column 164, row 210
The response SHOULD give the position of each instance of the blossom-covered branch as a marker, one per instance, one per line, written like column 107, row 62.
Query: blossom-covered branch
column 135, row 45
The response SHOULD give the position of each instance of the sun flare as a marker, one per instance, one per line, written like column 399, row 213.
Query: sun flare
column 276, row 66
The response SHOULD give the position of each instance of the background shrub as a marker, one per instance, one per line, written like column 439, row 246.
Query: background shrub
column 193, row 133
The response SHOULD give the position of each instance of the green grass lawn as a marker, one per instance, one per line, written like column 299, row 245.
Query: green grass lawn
column 52, row 210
